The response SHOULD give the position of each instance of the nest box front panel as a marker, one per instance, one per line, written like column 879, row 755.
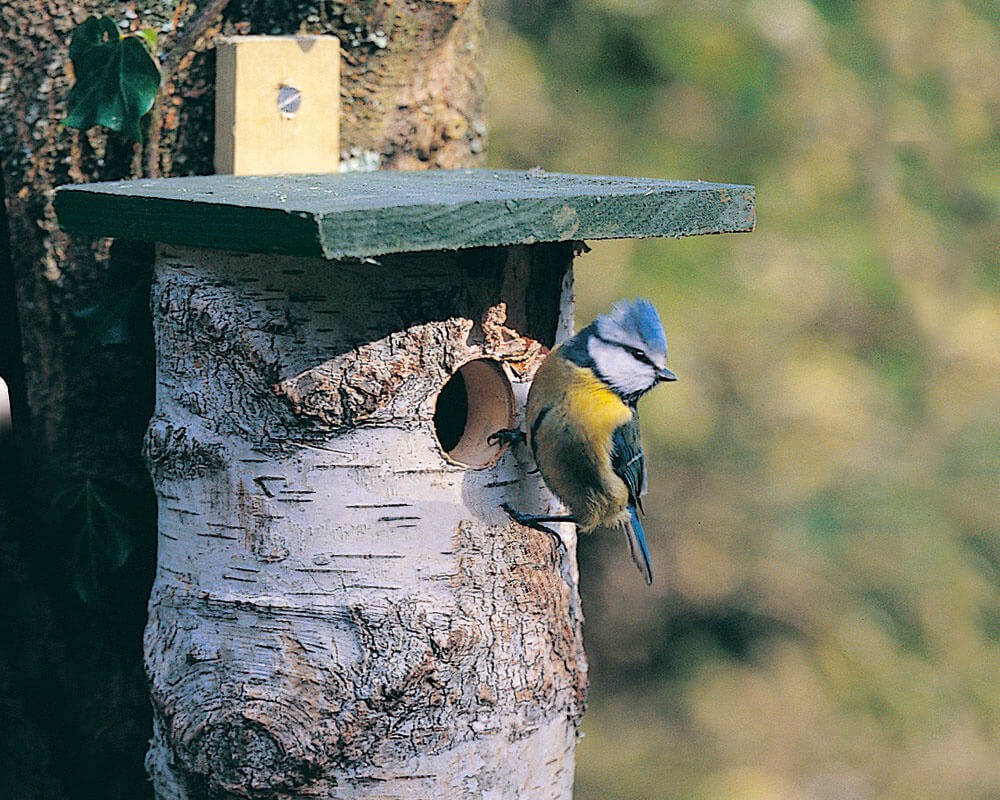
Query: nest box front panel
column 319, row 451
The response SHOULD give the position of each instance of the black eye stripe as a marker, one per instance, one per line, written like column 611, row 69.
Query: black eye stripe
column 638, row 355
column 635, row 352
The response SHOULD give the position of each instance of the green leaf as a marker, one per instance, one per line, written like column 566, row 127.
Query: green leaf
column 150, row 37
column 121, row 317
column 101, row 519
column 116, row 78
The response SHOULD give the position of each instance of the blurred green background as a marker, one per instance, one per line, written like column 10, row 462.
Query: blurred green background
column 824, row 507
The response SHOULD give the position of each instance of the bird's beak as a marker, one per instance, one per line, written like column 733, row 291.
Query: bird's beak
column 665, row 374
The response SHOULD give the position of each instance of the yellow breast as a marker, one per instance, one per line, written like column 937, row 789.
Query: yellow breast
column 597, row 409
column 576, row 394
column 571, row 416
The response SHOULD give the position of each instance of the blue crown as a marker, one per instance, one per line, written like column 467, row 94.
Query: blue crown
column 640, row 319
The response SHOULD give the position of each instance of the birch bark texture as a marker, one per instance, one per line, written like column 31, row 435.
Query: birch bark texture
column 340, row 609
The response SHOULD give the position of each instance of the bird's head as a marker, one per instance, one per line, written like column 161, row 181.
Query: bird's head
column 628, row 348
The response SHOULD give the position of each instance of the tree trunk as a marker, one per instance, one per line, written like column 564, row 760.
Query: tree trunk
column 340, row 609
column 413, row 97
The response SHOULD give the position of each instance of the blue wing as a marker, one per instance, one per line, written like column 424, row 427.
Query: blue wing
column 637, row 546
column 629, row 464
column 628, row 461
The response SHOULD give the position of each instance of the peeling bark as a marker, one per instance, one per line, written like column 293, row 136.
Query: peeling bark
column 339, row 610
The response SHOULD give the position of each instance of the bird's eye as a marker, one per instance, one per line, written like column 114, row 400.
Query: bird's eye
column 638, row 355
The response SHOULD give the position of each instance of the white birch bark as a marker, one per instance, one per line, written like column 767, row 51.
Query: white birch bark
column 339, row 610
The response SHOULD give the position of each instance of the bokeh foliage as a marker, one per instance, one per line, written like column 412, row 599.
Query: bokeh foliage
column 824, row 510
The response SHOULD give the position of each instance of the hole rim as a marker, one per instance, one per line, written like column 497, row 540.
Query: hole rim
column 490, row 404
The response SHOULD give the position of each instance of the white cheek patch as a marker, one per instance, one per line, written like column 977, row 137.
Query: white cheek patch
column 625, row 374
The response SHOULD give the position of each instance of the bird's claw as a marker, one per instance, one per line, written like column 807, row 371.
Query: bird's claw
column 519, row 516
column 530, row 521
column 506, row 436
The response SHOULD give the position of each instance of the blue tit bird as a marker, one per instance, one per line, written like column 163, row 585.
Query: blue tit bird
column 583, row 425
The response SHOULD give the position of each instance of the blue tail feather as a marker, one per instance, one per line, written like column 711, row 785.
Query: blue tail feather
column 637, row 545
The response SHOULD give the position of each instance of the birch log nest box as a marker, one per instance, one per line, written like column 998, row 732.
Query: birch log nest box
column 341, row 608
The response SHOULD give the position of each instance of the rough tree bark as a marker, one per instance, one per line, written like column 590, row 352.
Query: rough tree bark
column 413, row 97
column 341, row 610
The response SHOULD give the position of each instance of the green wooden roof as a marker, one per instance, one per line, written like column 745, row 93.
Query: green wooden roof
column 375, row 213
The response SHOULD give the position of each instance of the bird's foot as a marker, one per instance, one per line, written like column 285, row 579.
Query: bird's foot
column 506, row 436
column 536, row 522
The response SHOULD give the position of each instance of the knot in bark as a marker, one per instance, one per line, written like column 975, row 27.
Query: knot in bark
column 249, row 753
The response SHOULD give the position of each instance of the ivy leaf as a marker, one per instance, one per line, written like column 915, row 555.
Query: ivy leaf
column 103, row 518
column 116, row 78
column 150, row 37
column 122, row 315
